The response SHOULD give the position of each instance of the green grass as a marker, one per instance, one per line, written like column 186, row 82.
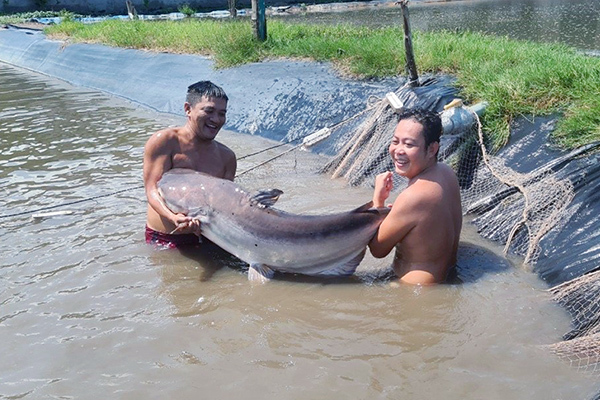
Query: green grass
column 514, row 77
column 26, row 16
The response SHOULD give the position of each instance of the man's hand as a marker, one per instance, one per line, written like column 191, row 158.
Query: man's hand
column 185, row 223
column 194, row 225
column 383, row 186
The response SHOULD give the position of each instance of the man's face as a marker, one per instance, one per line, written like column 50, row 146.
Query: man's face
column 408, row 149
column 207, row 116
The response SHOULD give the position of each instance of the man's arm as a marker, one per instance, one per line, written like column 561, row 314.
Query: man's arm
column 157, row 160
column 398, row 223
column 230, row 162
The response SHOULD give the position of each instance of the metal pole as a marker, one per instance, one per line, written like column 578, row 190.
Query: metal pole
column 262, row 21
column 259, row 20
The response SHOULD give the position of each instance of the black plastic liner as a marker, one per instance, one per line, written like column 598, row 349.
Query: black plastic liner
column 572, row 247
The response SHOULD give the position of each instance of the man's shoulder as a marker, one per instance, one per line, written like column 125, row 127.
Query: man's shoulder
column 437, row 176
column 421, row 193
column 432, row 188
column 164, row 136
column 224, row 150
column 443, row 172
column 445, row 169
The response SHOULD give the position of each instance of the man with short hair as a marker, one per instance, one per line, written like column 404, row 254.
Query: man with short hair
column 190, row 146
column 425, row 221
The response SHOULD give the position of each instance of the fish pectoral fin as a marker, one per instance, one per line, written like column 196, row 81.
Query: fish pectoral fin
column 266, row 198
column 260, row 273
column 346, row 269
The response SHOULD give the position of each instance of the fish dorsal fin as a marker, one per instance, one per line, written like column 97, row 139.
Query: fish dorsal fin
column 265, row 198
column 368, row 208
column 363, row 208
column 346, row 269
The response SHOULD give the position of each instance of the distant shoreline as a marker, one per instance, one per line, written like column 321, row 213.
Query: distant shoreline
column 282, row 7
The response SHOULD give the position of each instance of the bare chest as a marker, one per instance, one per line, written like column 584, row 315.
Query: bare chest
column 202, row 161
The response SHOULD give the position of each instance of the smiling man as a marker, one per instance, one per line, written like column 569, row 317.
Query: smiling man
column 425, row 221
column 191, row 146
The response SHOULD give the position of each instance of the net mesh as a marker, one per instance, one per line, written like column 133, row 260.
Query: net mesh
column 537, row 199
column 365, row 153
column 582, row 353
column 581, row 347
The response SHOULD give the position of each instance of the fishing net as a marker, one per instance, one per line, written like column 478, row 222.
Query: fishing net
column 536, row 200
column 581, row 347
column 582, row 353
column 365, row 154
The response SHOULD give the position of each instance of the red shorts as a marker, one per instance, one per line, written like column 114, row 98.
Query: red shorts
column 169, row 240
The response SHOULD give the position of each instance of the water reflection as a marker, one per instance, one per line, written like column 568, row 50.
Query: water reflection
column 572, row 22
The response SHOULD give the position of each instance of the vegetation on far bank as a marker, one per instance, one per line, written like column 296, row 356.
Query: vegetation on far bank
column 27, row 16
column 514, row 77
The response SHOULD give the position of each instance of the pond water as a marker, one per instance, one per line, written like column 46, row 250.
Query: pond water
column 88, row 310
column 572, row 22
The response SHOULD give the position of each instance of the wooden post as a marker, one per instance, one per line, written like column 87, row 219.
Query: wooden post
column 232, row 8
column 131, row 10
column 259, row 20
column 411, row 66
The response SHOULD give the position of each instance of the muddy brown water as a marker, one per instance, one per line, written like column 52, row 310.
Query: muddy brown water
column 88, row 310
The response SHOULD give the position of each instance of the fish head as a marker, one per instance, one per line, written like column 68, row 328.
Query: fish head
column 185, row 197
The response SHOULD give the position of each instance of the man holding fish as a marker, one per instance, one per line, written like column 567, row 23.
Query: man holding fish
column 181, row 164
column 191, row 146
column 425, row 220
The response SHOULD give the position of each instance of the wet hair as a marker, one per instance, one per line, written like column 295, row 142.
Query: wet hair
column 430, row 120
column 206, row 89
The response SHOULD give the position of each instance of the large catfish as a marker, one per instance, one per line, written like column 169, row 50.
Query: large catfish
column 266, row 238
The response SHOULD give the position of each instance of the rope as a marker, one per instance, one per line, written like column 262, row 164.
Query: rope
column 270, row 148
column 518, row 186
column 269, row 160
column 334, row 126
column 70, row 203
